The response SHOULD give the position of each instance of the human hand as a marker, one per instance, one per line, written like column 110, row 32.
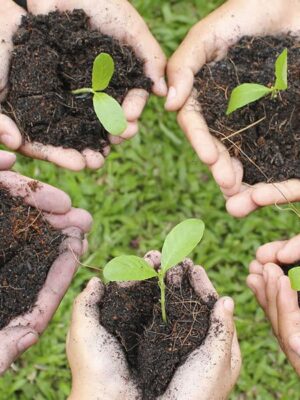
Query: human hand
column 209, row 41
column 99, row 366
column 273, row 292
column 119, row 19
column 24, row 331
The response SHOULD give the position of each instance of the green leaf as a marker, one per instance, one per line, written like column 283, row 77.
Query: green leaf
column 245, row 94
column 294, row 275
column 180, row 242
column 128, row 268
column 281, row 71
column 103, row 70
column 109, row 113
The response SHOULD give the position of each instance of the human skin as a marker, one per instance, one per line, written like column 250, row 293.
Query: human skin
column 114, row 17
column 24, row 331
column 99, row 368
column 209, row 41
column 273, row 292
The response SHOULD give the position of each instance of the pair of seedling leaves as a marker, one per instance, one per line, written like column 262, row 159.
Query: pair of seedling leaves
column 107, row 109
column 179, row 243
column 247, row 93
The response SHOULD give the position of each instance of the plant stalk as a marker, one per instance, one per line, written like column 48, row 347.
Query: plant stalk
column 162, row 287
column 82, row 91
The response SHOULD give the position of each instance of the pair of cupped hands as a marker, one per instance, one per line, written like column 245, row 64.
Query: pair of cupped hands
column 207, row 41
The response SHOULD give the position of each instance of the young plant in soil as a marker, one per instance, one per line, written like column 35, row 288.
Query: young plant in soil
column 248, row 93
column 107, row 109
column 179, row 243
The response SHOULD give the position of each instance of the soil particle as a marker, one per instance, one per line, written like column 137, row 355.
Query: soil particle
column 29, row 246
column 53, row 55
column 154, row 350
column 270, row 150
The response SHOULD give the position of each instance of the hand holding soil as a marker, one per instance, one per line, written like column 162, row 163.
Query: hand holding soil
column 208, row 42
column 99, row 363
column 42, row 238
column 273, row 292
column 63, row 128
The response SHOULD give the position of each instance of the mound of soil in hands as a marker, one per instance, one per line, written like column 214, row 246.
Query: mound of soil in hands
column 286, row 268
column 29, row 246
column 273, row 144
column 53, row 55
column 154, row 350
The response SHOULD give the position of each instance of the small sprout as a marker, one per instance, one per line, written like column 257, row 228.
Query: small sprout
column 294, row 275
column 249, row 92
column 179, row 243
column 107, row 109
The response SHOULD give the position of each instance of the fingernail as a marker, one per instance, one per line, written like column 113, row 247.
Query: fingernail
column 171, row 96
column 162, row 86
column 8, row 141
column 228, row 304
column 294, row 342
column 26, row 341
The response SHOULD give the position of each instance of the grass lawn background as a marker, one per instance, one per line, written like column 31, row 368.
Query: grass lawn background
column 147, row 186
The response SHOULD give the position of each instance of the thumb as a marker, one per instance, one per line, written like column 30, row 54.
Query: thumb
column 221, row 332
column 14, row 340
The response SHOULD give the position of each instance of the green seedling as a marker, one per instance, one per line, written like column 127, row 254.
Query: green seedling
column 107, row 109
column 294, row 275
column 179, row 243
column 248, row 93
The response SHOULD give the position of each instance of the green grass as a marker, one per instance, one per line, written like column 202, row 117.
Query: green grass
column 147, row 186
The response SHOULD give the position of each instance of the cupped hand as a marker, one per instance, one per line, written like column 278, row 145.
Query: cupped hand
column 99, row 366
column 119, row 19
column 209, row 41
column 24, row 331
column 273, row 292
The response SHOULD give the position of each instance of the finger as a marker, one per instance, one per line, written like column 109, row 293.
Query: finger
column 256, row 268
column 222, row 321
column 65, row 158
column 86, row 306
column 268, row 252
column 39, row 195
column 134, row 104
column 223, row 170
column 76, row 217
column 14, row 340
column 277, row 193
column 256, row 284
column 131, row 130
column 93, row 159
column 290, row 251
column 289, row 321
column 153, row 257
column 272, row 273
column 241, row 204
column 7, row 160
column 175, row 275
column 10, row 135
column 194, row 126
column 201, row 283
column 238, row 172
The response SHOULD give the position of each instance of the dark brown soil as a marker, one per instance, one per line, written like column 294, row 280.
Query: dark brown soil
column 53, row 55
column 274, row 144
column 29, row 246
column 286, row 268
column 154, row 350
